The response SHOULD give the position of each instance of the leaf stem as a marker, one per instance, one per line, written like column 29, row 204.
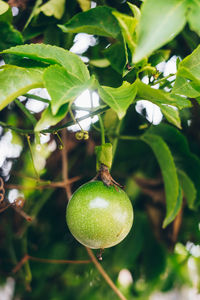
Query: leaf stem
column 128, row 138
column 31, row 96
column 162, row 79
column 27, row 113
column 74, row 119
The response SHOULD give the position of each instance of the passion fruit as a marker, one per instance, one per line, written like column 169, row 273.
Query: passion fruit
column 99, row 216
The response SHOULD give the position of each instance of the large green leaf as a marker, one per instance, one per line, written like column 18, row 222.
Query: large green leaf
column 54, row 55
column 183, row 86
column 48, row 119
column 160, row 21
column 16, row 81
column 119, row 99
column 189, row 67
column 171, row 114
column 62, row 86
column 168, row 169
column 145, row 92
column 53, row 8
column 184, row 159
column 193, row 15
column 188, row 187
column 9, row 36
column 98, row 21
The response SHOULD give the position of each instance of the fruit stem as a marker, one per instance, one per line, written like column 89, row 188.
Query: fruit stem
column 102, row 130
column 105, row 176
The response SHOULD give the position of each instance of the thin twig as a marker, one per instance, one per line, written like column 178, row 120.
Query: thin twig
column 59, row 261
column 59, row 184
column 65, row 164
column 22, row 213
column 105, row 275
column 47, row 261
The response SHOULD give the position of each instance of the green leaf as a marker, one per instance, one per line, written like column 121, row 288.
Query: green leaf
column 62, row 86
column 118, row 63
column 184, row 159
column 128, row 25
column 188, row 188
column 160, row 22
column 193, row 15
column 172, row 115
column 145, row 92
column 53, row 55
column 48, row 119
column 189, row 67
column 183, row 86
column 9, row 36
column 84, row 4
column 119, row 99
column 104, row 155
column 5, row 12
column 53, row 8
column 168, row 169
column 98, row 21
column 16, row 81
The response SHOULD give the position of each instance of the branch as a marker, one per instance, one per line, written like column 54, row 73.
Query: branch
column 105, row 275
column 55, row 129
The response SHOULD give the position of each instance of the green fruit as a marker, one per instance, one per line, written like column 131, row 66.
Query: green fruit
column 99, row 216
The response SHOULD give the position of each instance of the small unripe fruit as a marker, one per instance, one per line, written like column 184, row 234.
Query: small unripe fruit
column 86, row 135
column 99, row 216
column 79, row 135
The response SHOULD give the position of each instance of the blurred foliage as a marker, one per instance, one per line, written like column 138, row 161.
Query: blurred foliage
column 158, row 164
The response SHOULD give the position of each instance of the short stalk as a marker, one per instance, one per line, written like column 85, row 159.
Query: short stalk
column 102, row 131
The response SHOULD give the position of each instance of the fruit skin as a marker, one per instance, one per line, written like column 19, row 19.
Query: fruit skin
column 99, row 216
